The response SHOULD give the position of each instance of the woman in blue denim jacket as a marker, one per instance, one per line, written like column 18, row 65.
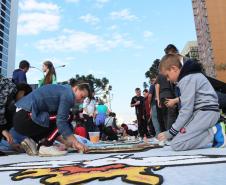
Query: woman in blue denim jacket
column 33, row 111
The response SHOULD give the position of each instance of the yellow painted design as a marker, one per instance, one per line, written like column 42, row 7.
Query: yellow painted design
column 63, row 177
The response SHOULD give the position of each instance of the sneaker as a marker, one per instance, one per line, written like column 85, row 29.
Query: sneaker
column 219, row 137
column 50, row 151
column 29, row 146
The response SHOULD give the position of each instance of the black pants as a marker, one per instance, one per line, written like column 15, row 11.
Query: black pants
column 89, row 124
column 132, row 133
column 169, row 115
column 24, row 125
column 142, row 125
column 151, row 129
column 160, row 115
column 109, row 132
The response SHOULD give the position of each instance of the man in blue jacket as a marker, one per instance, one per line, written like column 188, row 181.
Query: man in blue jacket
column 34, row 110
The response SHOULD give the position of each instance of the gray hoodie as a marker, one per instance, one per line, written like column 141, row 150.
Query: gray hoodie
column 196, row 94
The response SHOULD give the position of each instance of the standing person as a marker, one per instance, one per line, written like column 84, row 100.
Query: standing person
column 33, row 111
column 50, row 74
column 101, row 115
column 89, row 111
column 172, row 49
column 139, row 104
column 19, row 75
column 165, row 90
column 147, row 100
column 196, row 125
column 153, row 102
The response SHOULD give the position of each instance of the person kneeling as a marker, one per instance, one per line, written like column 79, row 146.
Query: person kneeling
column 196, row 125
column 32, row 115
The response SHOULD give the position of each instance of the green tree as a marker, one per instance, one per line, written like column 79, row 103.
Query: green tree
column 153, row 70
column 145, row 85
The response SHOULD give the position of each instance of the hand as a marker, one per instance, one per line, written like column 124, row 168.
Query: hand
column 77, row 145
column 8, row 136
column 170, row 102
column 137, row 103
column 162, row 136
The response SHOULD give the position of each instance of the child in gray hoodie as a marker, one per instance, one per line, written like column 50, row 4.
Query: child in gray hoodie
column 196, row 125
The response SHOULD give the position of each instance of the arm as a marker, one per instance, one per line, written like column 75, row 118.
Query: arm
column 172, row 102
column 157, row 92
column 188, row 89
column 149, row 100
column 133, row 103
column 63, row 126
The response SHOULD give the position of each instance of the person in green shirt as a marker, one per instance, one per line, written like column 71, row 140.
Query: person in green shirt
column 49, row 74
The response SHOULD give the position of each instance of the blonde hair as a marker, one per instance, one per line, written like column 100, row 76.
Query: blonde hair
column 168, row 61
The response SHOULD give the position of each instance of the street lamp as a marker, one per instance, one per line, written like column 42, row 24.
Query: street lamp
column 42, row 71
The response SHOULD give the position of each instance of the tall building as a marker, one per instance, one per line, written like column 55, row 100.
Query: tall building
column 210, row 22
column 8, row 28
column 191, row 50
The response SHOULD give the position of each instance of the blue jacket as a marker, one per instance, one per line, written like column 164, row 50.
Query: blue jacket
column 47, row 100
column 19, row 76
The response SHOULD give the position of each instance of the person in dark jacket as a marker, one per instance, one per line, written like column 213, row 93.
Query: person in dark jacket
column 197, row 124
column 19, row 75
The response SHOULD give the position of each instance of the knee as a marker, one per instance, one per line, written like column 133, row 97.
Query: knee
column 178, row 145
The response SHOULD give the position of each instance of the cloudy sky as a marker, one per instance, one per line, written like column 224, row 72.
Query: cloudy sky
column 117, row 39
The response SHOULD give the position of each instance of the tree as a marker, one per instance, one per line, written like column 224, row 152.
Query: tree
column 153, row 70
column 101, row 87
column 145, row 85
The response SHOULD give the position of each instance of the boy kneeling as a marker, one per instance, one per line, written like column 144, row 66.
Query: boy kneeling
column 195, row 126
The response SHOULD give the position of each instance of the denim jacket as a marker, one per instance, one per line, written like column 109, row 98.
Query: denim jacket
column 47, row 100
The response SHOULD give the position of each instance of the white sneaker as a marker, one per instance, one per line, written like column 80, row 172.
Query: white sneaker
column 50, row 151
column 30, row 146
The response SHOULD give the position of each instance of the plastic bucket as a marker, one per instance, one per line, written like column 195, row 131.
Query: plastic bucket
column 94, row 137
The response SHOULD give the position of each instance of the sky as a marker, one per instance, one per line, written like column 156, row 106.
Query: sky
column 116, row 39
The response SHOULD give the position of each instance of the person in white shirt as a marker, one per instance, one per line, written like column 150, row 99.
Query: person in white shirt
column 110, row 128
column 129, row 129
column 89, row 111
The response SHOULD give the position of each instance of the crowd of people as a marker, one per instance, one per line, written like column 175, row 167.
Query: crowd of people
column 182, row 104
column 32, row 121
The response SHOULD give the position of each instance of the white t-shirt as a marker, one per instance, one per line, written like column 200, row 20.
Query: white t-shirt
column 132, row 127
column 109, row 121
column 90, row 106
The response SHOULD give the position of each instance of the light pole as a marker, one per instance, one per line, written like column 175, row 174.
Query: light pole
column 33, row 67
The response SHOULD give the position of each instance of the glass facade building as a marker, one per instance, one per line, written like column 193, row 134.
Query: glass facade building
column 8, row 25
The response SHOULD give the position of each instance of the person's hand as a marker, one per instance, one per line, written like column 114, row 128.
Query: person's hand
column 8, row 136
column 137, row 103
column 77, row 145
column 162, row 136
column 170, row 102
